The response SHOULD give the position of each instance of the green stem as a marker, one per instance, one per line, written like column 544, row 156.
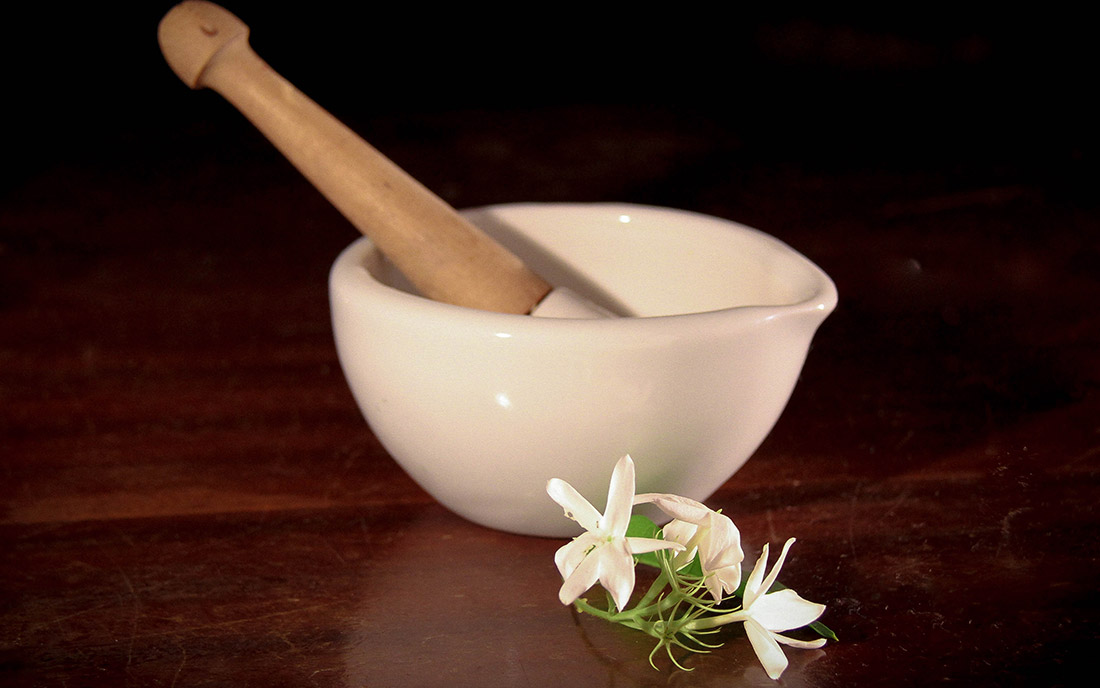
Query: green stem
column 645, row 608
column 657, row 608
column 706, row 622
column 613, row 617
column 654, row 590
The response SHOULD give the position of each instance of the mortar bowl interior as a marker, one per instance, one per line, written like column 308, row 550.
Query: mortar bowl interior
column 481, row 408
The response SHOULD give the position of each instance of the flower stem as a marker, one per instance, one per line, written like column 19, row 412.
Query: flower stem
column 654, row 590
column 706, row 622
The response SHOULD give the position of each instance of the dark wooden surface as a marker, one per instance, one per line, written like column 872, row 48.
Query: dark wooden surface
column 190, row 497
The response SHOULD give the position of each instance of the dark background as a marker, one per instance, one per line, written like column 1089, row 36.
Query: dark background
column 814, row 85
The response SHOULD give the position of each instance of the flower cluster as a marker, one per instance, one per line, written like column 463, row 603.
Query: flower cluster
column 699, row 587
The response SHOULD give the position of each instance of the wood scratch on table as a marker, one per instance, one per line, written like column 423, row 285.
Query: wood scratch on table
column 130, row 646
column 179, row 669
column 336, row 552
column 897, row 502
column 135, row 605
column 230, row 622
column 523, row 672
column 1082, row 457
column 852, row 522
column 322, row 671
column 34, row 628
column 1006, row 528
column 134, row 620
column 282, row 635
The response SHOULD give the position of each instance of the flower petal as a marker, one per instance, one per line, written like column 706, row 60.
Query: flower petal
column 639, row 545
column 679, row 531
column 721, row 543
column 570, row 555
column 724, row 581
column 620, row 498
column 677, row 507
column 784, row 610
column 752, row 585
column 800, row 644
column 715, row 587
column 774, row 573
column 616, row 567
column 767, row 649
column 576, row 507
column 583, row 577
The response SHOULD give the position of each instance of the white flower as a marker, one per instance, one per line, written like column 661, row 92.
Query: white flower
column 714, row 536
column 603, row 553
column 766, row 614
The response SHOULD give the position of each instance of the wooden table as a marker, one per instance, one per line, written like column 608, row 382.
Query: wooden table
column 190, row 496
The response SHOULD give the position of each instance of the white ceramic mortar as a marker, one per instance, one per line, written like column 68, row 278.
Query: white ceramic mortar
column 482, row 408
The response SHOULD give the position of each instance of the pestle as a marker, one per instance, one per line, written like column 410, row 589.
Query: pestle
column 442, row 254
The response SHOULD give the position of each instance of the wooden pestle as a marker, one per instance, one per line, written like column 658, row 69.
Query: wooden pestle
column 445, row 257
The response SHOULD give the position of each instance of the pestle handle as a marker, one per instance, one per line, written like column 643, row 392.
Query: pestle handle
column 443, row 255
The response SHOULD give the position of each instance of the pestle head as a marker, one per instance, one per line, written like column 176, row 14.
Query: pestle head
column 192, row 32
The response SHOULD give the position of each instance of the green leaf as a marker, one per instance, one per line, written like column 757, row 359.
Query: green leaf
column 824, row 631
column 643, row 527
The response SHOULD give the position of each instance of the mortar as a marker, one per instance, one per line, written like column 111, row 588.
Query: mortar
column 481, row 408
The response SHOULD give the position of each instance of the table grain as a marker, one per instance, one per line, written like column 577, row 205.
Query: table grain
column 191, row 498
